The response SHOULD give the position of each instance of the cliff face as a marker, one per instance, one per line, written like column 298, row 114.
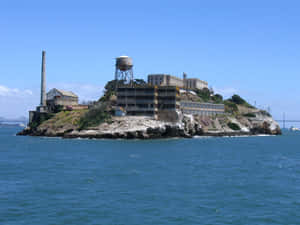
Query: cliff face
column 187, row 126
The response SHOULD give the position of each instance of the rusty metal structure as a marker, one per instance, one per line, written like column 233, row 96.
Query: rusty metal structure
column 124, row 70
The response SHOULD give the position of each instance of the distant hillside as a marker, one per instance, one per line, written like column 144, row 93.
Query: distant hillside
column 22, row 119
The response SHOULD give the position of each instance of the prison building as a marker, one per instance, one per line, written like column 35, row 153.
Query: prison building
column 194, row 83
column 57, row 97
column 202, row 109
column 138, row 100
column 169, row 80
column 164, row 80
column 168, row 98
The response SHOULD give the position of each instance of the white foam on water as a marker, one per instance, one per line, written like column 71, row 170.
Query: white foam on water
column 202, row 137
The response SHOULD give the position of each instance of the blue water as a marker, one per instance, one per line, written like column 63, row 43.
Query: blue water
column 242, row 180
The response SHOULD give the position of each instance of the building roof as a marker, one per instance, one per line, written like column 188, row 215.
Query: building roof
column 66, row 93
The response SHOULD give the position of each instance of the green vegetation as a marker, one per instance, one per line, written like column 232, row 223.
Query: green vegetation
column 109, row 90
column 217, row 98
column 39, row 118
column 58, row 108
column 250, row 115
column 95, row 116
column 230, row 107
column 240, row 101
column 237, row 100
column 207, row 95
column 233, row 126
column 68, row 117
column 110, row 87
column 204, row 94
column 64, row 118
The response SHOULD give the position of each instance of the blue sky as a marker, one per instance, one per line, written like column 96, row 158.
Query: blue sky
column 250, row 48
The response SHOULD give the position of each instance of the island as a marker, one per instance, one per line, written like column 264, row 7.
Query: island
column 164, row 107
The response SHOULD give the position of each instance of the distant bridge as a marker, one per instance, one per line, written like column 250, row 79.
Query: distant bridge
column 284, row 122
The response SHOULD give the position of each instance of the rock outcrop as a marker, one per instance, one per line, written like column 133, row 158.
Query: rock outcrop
column 187, row 126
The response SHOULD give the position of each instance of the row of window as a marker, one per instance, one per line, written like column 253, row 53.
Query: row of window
column 137, row 105
column 201, row 112
column 201, row 105
column 136, row 97
column 155, row 80
column 135, row 91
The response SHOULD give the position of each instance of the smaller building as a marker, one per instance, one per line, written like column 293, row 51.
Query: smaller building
column 57, row 97
column 202, row 109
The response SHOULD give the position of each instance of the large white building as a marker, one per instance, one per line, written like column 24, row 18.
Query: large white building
column 164, row 80
column 169, row 80
column 194, row 83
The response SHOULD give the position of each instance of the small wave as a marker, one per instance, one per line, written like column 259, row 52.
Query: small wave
column 202, row 137
column 134, row 156
column 234, row 136
column 45, row 137
column 265, row 135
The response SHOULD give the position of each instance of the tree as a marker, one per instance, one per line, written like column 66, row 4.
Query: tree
column 110, row 87
column 204, row 94
column 217, row 98
column 238, row 100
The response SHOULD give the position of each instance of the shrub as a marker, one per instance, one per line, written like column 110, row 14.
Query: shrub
column 230, row 107
column 217, row 98
column 39, row 118
column 110, row 87
column 237, row 100
column 233, row 126
column 58, row 108
column 250, row 115
column 95, row 116
column 240, row 101
column 204, row 94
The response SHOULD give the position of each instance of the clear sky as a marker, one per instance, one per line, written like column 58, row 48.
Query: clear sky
column 251, row 48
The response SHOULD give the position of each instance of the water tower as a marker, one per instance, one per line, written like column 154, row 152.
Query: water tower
column 124, row 70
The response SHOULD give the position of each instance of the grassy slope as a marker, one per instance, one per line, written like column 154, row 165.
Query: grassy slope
column 61, row 119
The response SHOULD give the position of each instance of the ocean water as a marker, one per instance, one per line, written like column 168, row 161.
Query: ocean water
column 240, row 180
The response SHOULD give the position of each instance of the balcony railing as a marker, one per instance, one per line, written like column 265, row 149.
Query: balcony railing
column 133, row 108
column 136, row 101
column 136, row 93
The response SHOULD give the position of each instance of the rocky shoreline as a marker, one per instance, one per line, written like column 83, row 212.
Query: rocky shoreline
column 148, row 128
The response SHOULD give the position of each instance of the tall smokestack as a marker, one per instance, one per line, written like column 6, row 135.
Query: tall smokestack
column 43, row 80
column 184, row 81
